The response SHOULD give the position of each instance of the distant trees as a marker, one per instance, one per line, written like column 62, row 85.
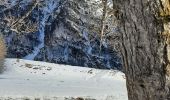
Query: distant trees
column 19, row 23
column 15, row 18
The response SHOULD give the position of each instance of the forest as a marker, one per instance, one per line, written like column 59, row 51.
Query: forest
column 128, row 40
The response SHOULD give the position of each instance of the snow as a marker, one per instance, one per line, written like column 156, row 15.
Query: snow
column 33, row 79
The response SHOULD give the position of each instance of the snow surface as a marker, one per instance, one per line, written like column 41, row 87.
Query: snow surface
column 33, row 79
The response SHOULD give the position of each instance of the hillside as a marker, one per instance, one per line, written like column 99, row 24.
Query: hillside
column 40, row 80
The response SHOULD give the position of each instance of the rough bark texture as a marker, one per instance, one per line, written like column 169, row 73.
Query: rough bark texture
column 144, row 52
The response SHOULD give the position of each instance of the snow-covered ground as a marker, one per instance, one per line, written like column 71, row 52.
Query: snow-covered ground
column 33, row 79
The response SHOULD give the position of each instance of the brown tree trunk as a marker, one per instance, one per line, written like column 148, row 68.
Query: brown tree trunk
column 143, row 49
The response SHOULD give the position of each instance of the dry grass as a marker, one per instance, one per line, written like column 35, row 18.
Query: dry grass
column 2, row 54
column 165, row 11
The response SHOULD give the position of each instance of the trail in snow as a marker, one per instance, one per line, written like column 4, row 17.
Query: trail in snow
column 33, row 79
column 51, row 5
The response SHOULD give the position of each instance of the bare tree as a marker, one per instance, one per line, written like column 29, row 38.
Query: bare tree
column 21, row 24
column 104, row 2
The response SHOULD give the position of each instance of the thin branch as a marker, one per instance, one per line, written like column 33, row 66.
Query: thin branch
column 20, row 20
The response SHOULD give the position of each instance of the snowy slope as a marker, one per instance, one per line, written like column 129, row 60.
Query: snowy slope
column 32, row 79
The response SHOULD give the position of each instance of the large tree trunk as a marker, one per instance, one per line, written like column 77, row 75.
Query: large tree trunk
column 143, row 49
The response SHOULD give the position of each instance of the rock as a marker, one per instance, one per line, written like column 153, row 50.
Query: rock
column 49, row 68
column 28, row 65
column 36, row 68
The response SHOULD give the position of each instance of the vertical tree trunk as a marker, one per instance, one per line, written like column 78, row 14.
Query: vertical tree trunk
column 104, row 2
column 143, row 49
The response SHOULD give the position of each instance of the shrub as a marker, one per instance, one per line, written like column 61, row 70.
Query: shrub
column 2, row 54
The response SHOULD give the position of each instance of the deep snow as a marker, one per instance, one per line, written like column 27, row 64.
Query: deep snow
column 33, row 79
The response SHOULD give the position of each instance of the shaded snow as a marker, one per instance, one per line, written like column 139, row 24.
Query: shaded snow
column 24, row 78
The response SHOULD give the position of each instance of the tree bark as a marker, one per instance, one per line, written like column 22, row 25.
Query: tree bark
column 104, row 2
column 143, row 49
